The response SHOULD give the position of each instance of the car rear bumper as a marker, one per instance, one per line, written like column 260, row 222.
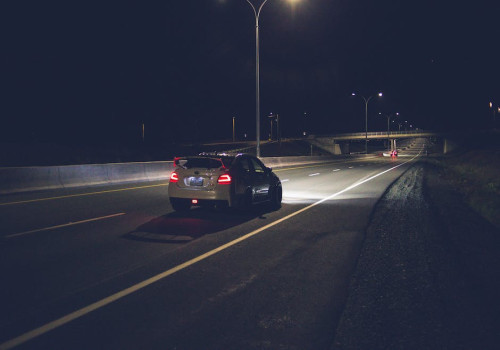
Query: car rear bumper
column 220, row 193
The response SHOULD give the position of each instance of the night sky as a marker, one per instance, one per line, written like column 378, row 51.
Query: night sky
column 94, row 72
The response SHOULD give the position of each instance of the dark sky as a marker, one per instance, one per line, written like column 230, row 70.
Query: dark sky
column 86, row 71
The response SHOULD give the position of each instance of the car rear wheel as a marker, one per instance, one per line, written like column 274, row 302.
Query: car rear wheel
column 180, row 204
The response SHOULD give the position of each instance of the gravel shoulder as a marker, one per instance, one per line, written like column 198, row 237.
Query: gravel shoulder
column 428, row 276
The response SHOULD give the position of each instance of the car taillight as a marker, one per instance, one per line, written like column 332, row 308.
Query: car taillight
column 224, row 179
column 174, row 177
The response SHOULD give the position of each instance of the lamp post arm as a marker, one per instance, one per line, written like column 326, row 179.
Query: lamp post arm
column 253, row 8
column 260, row 8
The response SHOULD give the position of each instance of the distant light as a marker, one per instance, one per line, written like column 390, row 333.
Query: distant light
column 194, row 201
column 491, row 104
column 354, row 94
column 380, row 94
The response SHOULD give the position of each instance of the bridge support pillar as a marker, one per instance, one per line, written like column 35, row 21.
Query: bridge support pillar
column 336, row 148
column 393, row 144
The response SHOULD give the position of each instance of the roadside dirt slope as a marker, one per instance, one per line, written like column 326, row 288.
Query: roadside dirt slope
column 429, row 273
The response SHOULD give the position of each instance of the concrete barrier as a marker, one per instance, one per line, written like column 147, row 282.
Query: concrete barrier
column 29, row 179
column 26, row 179
column 83, row 175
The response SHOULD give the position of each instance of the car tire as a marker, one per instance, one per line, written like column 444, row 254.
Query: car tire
column 180, row 204
column 276, row 194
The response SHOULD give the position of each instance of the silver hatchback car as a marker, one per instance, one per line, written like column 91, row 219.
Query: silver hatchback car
column 222, row 180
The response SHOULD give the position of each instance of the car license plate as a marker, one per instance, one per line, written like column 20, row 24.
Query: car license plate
column 196, row 181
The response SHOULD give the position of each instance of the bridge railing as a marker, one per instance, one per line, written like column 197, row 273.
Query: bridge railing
column 379, row 133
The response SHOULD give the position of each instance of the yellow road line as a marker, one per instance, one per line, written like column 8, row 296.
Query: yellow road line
column 82, row 194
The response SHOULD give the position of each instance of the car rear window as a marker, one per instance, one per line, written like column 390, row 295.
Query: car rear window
column 202, row 162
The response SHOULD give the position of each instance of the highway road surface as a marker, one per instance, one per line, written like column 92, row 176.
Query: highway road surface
column 117, row 268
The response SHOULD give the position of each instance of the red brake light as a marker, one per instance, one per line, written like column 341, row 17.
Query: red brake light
column 174, row 177
column 224, row 179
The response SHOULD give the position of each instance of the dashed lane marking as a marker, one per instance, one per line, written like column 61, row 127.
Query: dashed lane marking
column 63, row 225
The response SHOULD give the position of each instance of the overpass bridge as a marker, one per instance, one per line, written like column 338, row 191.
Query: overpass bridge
column 338, row 143
column 380, row 135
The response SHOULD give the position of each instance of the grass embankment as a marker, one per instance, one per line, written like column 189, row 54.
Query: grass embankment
column 475, row 174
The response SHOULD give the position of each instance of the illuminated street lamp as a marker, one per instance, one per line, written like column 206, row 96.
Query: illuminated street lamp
column 366, row 116
column 256, row 12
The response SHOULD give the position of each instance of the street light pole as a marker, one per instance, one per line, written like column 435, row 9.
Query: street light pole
column 278, row 130
column 257, row 90
column 234, row 138
column 366, row 117
column 494, row 112
column 271, row 117
column 388, row 116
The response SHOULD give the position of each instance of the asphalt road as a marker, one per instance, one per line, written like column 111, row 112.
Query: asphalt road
column 116, row 268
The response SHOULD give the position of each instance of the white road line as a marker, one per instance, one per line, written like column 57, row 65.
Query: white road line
column 336, row 169
column 351, row 167
column 121, row 294
column 285, row 180
column 315, row 174
column 63, row 225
